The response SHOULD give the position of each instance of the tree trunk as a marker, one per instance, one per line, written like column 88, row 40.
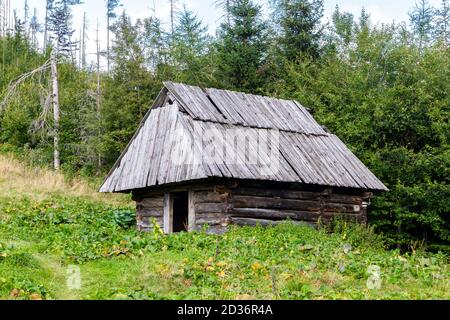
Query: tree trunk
column 98, row 98
column 107, row 37
column 98, row 72
column 46, row 26
column 172, row 8
column 83, row 43
column 54, row 72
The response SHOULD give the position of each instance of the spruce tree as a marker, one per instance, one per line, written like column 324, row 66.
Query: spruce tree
column 111, row 6
column 343, row 26
column 190, row 45
column 300, row 26
column 441, row 21
column 421, row 18
column 242, row 48
column 155, row 42
column 60, row 23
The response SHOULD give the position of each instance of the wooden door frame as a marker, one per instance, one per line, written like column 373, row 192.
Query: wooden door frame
column 168, row 212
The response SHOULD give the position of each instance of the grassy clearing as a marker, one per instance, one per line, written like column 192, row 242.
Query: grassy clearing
column 48, row 224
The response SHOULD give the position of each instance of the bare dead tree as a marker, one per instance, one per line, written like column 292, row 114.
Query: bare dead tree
column 12, row 88
column 51, row 64
column 55, row 99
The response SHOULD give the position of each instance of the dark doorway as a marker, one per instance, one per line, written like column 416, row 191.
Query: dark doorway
column 180, row 211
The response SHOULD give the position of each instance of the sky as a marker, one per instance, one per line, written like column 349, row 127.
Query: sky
column 381, row 11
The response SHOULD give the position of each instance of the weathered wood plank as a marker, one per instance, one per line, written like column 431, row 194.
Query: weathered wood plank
column 210, row 207
column 274, row 214
column 341, row 207
column 191, row 210
column 212, row 219
column 254, row 222
column 150, row 212
column 168, row 213
column 151, row 202
column 210, row 197
column 280, row 193
column 274, row 203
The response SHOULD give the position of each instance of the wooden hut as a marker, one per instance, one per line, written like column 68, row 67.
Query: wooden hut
column 203, row 157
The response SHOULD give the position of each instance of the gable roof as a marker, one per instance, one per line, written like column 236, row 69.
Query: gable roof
column 175, row 126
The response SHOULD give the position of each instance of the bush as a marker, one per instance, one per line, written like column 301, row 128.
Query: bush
column 125, row 218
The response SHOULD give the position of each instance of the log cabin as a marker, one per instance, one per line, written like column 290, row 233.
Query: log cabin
column 210, row 158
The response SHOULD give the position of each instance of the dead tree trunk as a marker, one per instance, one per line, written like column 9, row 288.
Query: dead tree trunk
column 107, row 41
column 172, row 16
column 99, row 91
column 46, row 26
column 55, row 90
column 83, row 43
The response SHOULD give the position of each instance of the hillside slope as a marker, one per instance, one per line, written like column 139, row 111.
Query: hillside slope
column 61, row 240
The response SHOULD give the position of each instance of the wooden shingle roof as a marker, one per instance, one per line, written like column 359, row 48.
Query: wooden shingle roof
column 174, row 128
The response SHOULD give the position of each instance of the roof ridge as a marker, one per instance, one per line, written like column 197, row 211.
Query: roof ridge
column 326, row 134
column 244, row 109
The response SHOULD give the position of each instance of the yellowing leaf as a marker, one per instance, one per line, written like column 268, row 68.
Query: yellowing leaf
column 221, row 273
column 221, row 264
column 35, row 296
column 256, row 266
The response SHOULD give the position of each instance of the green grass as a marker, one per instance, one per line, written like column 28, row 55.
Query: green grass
column 43, row 233
column 41, row 238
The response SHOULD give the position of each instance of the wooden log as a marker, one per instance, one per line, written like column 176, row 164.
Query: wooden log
column 221, row 189
column 213, row 218
column 285, row 194
column 210, row 208
column 151, row 202
column 274, row 203
column 341, row 207
column 254, row 222
column 150, row 212
column 210, row 197
column 143, row 223
column 342, row 198
column 274, row 214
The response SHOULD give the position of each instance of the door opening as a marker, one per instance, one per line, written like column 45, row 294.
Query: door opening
column 180, row 211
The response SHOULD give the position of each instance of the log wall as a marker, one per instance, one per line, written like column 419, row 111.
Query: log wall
column 250, row 203
column 149, row 209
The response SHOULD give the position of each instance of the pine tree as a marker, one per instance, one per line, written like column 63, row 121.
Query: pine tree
column 48, row 9
column 441, row 21
column 111, row 6
column 190, row 32
column 343, row 25
column 19, row 26
column 242, row 47
column 421, row 20
column 189, row 46
column 225, row 6
column 60, row 23
column 155, row 42
column 301, row 27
